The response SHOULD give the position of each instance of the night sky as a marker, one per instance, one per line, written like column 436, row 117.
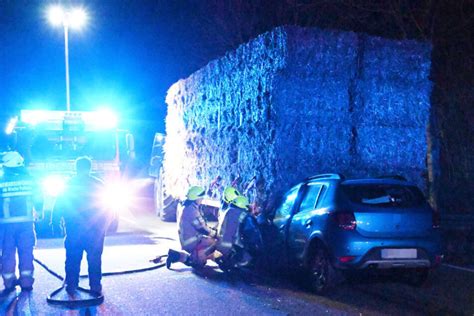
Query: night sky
column 125, row 59
column 133, row 50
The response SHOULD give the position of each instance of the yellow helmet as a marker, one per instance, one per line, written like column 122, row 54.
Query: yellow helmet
column 230, row 193
column 195, row 192
column 241, row 202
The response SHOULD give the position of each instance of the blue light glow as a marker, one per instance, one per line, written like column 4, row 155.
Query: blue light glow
column 53, row 185
column 116, row 196
column 11, row 125
column 95, row 120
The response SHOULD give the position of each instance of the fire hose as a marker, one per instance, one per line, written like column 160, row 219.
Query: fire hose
column 92, row 297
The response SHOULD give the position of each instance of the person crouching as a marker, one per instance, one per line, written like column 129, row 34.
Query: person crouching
column 197, row 238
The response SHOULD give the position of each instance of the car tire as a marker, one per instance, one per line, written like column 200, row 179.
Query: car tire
column 321, row 272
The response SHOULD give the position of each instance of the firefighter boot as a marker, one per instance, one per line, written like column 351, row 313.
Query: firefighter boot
column 173, row 256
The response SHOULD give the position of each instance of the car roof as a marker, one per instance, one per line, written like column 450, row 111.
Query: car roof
column 377, row 181
column 340, row 179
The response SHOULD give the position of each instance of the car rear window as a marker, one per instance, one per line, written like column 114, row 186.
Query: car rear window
column 384, row 195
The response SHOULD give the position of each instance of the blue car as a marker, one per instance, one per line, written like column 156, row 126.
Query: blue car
column 328, row 225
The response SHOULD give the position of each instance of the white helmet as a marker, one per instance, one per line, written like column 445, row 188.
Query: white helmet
column 11, row 159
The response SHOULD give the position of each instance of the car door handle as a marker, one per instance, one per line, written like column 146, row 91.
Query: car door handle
column 308, row 223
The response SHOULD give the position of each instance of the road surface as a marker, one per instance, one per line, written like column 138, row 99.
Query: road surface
column 184, row 291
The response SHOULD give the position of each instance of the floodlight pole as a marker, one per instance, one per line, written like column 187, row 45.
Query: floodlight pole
column 66, row 57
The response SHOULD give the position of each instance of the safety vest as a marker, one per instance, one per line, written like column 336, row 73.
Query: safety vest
column 16, row 199
column 229, row 228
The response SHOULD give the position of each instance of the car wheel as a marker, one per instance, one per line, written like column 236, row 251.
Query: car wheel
column 321, row 276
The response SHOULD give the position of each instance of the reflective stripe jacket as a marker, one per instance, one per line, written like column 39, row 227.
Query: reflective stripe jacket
column 192, row 226
column 229, row 228
column 16, row 196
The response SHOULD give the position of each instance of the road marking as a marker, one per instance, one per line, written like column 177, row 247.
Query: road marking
column 458, row 268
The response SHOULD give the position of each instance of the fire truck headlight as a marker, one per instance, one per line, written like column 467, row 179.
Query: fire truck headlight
column 53, row 185
column 116, row 196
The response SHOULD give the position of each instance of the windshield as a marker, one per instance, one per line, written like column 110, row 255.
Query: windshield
column 384, row 195
column 53, row 146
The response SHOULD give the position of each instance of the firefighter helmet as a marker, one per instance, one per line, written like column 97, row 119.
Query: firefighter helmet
column 241, row 202
column 195, row 192
column 12, row 159
column 230, row 193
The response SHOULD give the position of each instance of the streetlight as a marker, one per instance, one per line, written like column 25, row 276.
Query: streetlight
column 74, row 18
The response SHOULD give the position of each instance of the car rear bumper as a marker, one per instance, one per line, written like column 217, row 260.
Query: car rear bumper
column 361, row 252
column 390, row 264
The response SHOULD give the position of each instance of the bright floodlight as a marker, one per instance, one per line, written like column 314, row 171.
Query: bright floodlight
column 77, row 18
column 53, row 185
column 116, row 196
column 56, row 15
column 74, row 18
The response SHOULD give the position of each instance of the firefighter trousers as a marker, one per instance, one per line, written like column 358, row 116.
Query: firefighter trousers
column 198, row 255
column 21, row 238
column 93, row 245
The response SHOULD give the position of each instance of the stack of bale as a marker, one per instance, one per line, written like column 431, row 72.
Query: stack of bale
column 296, row 102
column 312, row 103
column 392, row 108
column 218, row 118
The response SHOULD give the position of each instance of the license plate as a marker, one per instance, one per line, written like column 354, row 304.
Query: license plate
column 399, row 253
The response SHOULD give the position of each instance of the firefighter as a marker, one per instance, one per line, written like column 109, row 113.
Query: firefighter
column 16, row 222
column 86, row 222
column 196, row 237
column 230, row 224
column 239, row 237
column 229, row 194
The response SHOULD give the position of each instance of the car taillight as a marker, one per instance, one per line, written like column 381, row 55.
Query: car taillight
column 346, row 259
column 435, row 219
column 345, row 220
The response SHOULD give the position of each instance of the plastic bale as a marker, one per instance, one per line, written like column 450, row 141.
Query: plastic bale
column 394, row 104
column 391, row 60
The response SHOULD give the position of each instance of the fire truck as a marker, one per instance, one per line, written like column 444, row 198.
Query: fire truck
column 50, row 141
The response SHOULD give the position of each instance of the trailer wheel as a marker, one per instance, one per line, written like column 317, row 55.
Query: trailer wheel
column 165, row 205
column 168, row 212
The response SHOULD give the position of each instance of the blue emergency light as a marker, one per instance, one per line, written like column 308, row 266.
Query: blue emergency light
column 74, row 120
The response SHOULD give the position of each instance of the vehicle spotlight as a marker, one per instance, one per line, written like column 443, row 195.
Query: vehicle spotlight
column 116, row 196
column 53, row 185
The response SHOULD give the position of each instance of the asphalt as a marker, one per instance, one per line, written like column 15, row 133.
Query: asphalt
column 184, row 291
